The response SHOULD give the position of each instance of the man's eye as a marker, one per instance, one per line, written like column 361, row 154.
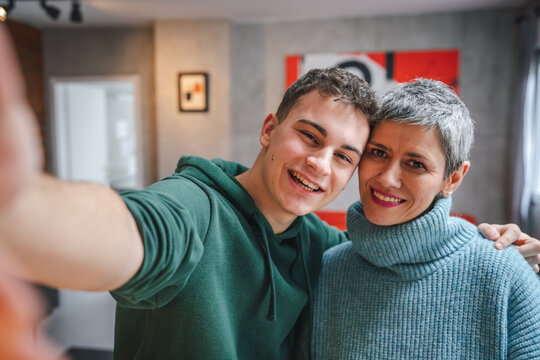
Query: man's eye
column 344, row 157
column 310, row 137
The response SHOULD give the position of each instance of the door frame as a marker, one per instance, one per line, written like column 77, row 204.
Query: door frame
column 54, row 126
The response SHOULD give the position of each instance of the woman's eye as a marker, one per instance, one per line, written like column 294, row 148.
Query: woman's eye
column 378, row 152
column 416, row 164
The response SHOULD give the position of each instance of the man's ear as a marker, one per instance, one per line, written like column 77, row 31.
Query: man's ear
column 454, row 180
column 269, row 125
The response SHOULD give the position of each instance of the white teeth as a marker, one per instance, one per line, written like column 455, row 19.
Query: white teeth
column 304, row 183
column 385, row 198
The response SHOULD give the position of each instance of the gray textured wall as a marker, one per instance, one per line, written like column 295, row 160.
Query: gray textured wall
column 248, row 92
column 192, row 46
column 108, row 52
column 484, row 39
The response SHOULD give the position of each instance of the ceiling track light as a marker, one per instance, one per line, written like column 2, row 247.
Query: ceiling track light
column 76, row 14
column 51, row 10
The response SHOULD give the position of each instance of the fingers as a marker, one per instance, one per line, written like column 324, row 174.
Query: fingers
column 21, row 155
column 530, row 248
column 491, row 232
column 20, row 313
column 533, row 260
column 11, row 84
column 503, row 235
column 531, row 251
column 509, row 234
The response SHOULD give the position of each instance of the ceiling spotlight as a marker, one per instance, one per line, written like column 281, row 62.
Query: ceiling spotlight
column 5, row 9
column 76, row 15
column 52, row 11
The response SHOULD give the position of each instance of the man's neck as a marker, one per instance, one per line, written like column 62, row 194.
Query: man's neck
column 251, row 180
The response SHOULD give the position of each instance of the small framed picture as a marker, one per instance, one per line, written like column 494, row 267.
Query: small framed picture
column 193, row 91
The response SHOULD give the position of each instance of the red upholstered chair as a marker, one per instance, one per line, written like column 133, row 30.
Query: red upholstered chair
column 339, row 218
column 465, row 216
column 334, row 218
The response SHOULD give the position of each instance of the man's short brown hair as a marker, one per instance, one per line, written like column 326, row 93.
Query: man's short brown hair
column 335, row 82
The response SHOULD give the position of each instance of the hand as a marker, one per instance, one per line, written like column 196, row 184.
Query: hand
column 504, row 235
column 20, row 151
column 20, row 313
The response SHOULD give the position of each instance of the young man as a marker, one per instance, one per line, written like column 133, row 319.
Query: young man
column 213, row 262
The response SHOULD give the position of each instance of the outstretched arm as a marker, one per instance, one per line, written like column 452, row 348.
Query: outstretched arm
column 507, row 234
column 72, row 235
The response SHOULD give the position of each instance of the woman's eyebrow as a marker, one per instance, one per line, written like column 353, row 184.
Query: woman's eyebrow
column 415, row 155
column 411, row 154
column 378, row 145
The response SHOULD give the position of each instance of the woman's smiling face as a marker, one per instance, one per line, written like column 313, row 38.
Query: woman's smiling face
column 401, row 172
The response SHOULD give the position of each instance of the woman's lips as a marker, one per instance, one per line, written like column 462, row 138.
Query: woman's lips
column 385, row 199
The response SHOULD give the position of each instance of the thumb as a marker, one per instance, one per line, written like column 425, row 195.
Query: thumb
column 490, row 231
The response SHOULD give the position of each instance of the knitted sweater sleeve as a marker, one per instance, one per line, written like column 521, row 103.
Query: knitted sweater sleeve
column 524, row 314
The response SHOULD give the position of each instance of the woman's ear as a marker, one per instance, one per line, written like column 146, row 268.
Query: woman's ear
column 269, row 125
column 454, row 180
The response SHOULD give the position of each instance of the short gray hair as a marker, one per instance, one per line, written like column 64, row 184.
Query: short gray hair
column 432, row 104
column 332, row 81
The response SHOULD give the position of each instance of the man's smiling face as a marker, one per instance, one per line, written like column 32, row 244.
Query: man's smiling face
column 311, row 155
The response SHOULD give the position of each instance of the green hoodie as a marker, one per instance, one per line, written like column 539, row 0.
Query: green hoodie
column 216, row 282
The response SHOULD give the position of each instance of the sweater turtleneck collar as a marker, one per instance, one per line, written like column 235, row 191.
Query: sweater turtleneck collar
column 412, row 248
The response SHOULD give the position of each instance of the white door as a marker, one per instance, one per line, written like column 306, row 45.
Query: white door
column 97, row 132
column 81, row 133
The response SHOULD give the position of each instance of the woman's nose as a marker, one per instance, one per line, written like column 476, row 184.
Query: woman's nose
column 390, row 175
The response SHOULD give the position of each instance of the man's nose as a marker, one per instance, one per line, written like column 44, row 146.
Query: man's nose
column 321, row 161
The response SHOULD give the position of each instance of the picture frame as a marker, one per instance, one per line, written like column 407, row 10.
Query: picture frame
column 193, row 92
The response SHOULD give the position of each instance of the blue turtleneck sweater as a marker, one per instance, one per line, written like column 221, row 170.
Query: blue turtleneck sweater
column 431, row 288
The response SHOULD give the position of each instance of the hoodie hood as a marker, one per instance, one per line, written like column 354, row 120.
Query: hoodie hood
column 211, row 174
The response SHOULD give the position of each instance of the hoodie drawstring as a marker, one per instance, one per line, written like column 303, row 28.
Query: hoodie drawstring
column 310, row 302
column 306, row 273
column 272, row 306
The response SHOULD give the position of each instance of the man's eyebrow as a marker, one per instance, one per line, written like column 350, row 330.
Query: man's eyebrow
column 351, row 148
column 316, row 126
column 325, row 134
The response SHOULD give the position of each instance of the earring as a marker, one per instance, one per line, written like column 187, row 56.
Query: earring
column 448, row 193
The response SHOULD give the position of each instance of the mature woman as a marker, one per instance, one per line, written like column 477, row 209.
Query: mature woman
column 415, row 283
